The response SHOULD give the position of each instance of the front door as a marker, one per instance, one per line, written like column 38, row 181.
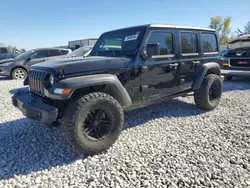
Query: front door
column 38, row 57
column 159, row 74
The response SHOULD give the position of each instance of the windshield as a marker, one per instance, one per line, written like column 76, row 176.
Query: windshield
column 80, row 51
column 239, row 44
column 25, row 54
column 119, row 42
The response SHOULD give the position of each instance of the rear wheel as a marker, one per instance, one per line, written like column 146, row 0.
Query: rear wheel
column 93, row 123
column 19, row 74
column 208, row 96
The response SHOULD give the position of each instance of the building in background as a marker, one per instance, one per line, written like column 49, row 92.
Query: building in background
column 73, row 45
column 61, row 47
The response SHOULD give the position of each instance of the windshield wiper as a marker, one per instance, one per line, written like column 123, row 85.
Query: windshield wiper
column 131, row 54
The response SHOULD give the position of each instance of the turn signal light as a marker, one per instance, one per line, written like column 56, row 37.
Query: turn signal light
column 62, row 91
column 66, row 91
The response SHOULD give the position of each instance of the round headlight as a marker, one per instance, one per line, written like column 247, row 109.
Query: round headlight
column 51, row 79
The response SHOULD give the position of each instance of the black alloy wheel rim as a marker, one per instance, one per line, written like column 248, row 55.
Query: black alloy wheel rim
column 214, row 92
column 98, row 124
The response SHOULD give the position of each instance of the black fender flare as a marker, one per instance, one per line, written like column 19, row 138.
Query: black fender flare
column 211, row 68
column 80, row 82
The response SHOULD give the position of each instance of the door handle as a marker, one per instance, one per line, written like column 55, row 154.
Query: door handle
column 196, row 62
column 173, row 65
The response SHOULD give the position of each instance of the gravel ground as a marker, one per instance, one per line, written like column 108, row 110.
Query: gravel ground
column 171, row 144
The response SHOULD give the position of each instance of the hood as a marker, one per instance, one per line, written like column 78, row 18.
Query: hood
column 7, row 60
column 73, row 65
column 238, row 52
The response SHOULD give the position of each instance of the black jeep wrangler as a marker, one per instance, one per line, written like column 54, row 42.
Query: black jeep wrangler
column 126, row 68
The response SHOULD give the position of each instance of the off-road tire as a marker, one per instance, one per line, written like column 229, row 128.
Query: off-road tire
column 201, row 96
column 76, row 114
column 14, row 72
column 228, row 78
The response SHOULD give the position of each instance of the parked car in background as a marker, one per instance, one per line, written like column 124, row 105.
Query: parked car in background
column 18, row 67
column 81, row 52
column 236, row 60
column 5, row 53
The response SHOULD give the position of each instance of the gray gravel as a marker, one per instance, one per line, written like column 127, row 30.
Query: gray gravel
column 172, row 144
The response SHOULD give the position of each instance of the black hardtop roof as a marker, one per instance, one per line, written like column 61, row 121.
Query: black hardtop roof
column 167, row 26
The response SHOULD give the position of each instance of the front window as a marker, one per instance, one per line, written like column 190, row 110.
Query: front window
column 122, row 42
column 40, row 54
column 26, row 54
column 165, row 41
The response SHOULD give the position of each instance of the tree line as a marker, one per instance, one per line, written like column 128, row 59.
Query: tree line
column 223, row 28
column 14, row 49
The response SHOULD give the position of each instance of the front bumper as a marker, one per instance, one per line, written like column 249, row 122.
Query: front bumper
column 34, row 107
column 4, row 71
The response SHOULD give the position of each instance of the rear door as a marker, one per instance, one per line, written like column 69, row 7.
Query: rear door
column 189, row 56
column 209, row 46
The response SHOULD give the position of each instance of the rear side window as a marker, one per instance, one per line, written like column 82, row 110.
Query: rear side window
column 164, row 39
column 54, row 52
column 3, row 51
column 209, row 43
column 188, row 43
column 64, row 52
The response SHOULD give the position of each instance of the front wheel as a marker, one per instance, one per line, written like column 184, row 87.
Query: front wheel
column 19, row 74
column 208, row 96
column 93, row 123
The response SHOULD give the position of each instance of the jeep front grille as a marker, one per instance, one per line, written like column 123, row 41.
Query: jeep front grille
column 36, row 81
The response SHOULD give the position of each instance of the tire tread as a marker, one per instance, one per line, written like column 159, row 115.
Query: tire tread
column 73, row 111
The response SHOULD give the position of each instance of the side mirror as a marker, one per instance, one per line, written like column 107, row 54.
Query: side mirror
column 144, row 54
column 153, row 49
column 27, row 61
column 150, row 50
